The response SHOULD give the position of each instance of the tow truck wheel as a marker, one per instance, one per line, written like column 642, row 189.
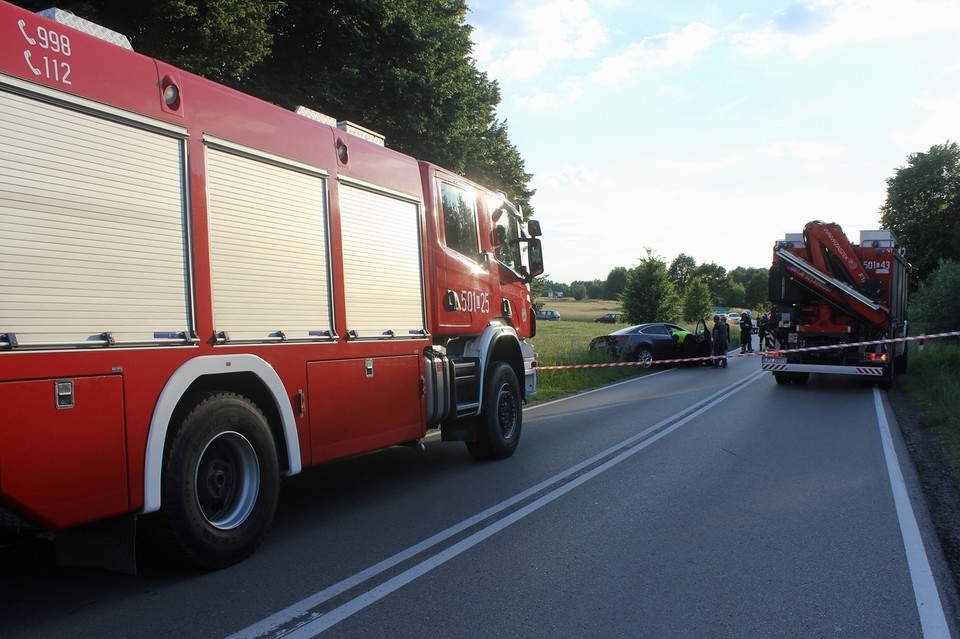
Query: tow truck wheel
column 900, row 362
column 886, row 382
column 220, row 483
column 792, row 378
column 498, row 428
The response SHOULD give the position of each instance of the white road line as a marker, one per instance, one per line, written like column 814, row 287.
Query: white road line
column 933, row 621
column 298, row 620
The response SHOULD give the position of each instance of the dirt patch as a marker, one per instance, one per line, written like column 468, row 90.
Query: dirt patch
column 942, row 491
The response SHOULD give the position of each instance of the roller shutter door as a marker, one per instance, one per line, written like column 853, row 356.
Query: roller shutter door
column 382, row 270
column 268, row 248
column 92, row 212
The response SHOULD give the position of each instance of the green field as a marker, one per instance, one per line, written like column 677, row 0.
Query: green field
column 582, row 311
column 565, row 343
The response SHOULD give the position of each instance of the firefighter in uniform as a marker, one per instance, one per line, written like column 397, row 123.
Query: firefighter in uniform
column 746, row 332
column 720, row 335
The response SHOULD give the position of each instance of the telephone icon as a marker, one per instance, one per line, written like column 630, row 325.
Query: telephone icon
column 22, row 24
column 26, row 56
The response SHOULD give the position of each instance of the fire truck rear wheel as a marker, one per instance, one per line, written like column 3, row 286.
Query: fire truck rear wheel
column 498, row 428
column 221, row 482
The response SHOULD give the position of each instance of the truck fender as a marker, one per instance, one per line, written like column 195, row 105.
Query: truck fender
column 484, row 347
column 174, row 390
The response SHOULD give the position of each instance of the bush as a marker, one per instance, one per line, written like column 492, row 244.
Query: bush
column 935, row 307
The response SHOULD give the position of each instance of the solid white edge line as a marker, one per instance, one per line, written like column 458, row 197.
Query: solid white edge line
column 933, row 620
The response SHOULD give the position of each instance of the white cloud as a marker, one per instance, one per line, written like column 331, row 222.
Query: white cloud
column 539, row 101
column 807, row 151
column 662, row 50
column 936, row 125
column 811, row 26
column 539, row 35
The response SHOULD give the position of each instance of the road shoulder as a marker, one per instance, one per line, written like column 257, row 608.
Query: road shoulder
column 941, row 490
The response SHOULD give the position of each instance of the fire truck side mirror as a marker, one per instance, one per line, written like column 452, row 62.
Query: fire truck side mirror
column 498, row 235
column 533, row 228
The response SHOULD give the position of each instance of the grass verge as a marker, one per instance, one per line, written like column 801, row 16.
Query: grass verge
column 932, row 383
column 565, row 343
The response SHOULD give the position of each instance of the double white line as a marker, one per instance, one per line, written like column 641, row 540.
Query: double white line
column 308, row 618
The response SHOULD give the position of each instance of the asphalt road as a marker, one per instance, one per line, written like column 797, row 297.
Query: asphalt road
column 688, row 503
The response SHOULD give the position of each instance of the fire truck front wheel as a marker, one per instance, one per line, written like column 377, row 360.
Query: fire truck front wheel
column 220, row 483
column 498, row 428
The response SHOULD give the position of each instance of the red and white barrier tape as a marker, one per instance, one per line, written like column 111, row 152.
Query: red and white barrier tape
column 911, row 338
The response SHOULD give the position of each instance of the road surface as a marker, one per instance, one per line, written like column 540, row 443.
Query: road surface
column 691, row 502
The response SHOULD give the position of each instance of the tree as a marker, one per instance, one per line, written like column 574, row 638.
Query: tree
column 538, row 289
column 648, row 294
column 715, row 277
column 935, row 306
column 697, row 302
column 757, row 293
column 218, row 39
column 546, row 286
column 923, row 207
column 682, row 270
column 403, row 68
column 616, row 279
column 735, row 294
column 578, row 291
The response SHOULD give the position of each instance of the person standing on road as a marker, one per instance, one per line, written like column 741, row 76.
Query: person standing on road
column 762, row 324
column 746, row 332
column 720, row 336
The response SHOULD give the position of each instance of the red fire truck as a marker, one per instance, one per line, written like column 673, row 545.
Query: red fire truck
column 838, row 307
column 201, row 293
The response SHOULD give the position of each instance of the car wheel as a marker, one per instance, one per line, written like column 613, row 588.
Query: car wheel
column 645, row 356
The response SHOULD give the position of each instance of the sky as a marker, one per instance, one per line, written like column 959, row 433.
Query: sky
column 711, row 129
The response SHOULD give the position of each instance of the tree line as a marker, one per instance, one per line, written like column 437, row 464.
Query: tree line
column 922, row 209
column 741, row 287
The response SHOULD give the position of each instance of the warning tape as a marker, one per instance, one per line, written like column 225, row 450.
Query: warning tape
column 768, row 350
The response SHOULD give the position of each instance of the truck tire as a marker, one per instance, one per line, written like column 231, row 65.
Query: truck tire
column 886, row 382
column 220, row 482
column 498, row 428
column 792, row 378
column 900, row 362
